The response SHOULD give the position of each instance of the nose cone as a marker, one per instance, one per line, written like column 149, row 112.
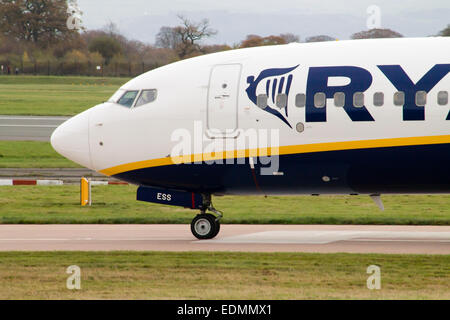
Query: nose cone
column 71, row 139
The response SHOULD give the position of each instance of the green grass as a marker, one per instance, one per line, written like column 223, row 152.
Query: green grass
column 117, row 204
column 54, row 96
column 30, row 154
column 149, row 275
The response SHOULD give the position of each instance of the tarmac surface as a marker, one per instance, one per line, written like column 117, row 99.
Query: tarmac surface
column 22, row 128
column 237, row 238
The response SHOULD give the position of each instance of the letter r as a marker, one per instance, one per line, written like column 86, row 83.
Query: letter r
column 360, row 81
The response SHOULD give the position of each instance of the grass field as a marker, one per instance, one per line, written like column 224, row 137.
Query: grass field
column 147, row 275
column 117, row 204
column 30, row 154
column 54, row 96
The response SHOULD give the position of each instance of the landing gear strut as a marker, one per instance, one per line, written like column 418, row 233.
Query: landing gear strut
column 206, row 226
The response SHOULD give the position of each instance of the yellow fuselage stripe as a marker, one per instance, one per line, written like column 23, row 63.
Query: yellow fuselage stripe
column 283, row 150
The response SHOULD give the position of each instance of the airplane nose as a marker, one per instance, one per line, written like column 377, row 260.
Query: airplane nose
column 71, row 139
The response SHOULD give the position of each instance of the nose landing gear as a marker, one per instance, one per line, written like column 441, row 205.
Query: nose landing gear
column 206, row 226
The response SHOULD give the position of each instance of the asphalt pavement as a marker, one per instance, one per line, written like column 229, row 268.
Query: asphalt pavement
column 240, row 238
column 23, row 128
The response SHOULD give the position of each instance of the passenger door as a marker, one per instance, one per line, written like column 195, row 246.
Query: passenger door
column 223, row 96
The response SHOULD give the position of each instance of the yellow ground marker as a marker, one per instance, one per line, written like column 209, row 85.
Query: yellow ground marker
column 85, row 192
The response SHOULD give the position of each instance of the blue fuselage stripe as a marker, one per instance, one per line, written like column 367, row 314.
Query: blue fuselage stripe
column 411, row 169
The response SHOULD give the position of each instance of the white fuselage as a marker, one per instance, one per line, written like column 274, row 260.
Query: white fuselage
column 217, row 95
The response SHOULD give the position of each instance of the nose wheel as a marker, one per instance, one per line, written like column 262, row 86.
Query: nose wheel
column 206, row 226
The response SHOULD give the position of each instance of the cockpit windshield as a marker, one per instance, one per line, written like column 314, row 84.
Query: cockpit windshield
column 128, row 98
column 147, row 96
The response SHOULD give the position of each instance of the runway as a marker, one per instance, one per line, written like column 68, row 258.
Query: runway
column 237, row 238
column 19, row 128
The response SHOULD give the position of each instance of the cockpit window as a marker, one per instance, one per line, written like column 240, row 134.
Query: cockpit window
column 128, row 98
column 147, row 96
column 116, row 96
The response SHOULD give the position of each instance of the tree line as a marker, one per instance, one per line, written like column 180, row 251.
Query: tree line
column 35, row 38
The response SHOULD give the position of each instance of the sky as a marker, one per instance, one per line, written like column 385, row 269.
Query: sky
column 234, row 19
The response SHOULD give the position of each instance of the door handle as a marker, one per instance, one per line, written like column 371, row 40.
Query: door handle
column 224, row 96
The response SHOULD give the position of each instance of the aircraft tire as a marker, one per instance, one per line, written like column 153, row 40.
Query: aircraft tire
column 205, row 227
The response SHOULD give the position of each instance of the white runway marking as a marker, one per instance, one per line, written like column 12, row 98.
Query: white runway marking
column 324, row 237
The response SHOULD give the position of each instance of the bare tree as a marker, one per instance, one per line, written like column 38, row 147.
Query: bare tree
column 195, row 31
column 186, row 37
column 320, row 38
column 376, row 34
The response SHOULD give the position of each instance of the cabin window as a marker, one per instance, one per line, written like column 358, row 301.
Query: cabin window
column 320, row 100
column 300, row 127
column 128, row 98
column 147, row 96
column 421, row 98
column 358, row 99
column 443, row 98
column 262, row 101
column 282, row 101
column 300, row 100
column 339, row 99
column 399, row 98
column 378, row 99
